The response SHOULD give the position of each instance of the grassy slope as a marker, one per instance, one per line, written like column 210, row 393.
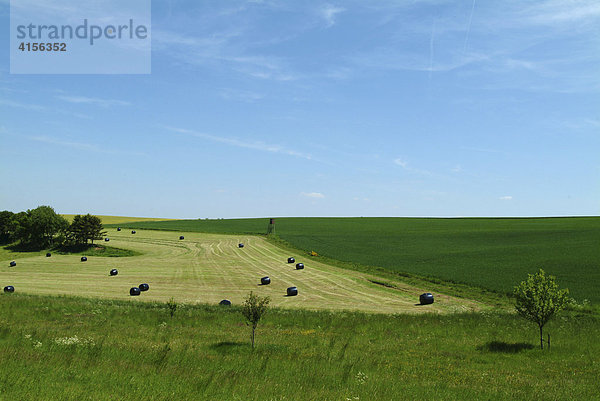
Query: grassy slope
column 491, row 253
column 207, row 268
column 130, row 351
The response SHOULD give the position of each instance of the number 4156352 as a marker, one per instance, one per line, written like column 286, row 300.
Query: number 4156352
column 43, row 47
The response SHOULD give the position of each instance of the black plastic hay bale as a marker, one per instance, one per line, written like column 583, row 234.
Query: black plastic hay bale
column 265, row 280
column 426, row 298
column 240, row 245
column 84, row 259
column 133, row 231
column 292, row 291
column 144, row 287
column 118, row 228
column 114, row 272
column 48, row 254
column 13, row 263
column 106, row 239
column 225, row 302
column 291, row 260
column 299, row 266
column 181, row 237
column 134, row 291
column 9, row 289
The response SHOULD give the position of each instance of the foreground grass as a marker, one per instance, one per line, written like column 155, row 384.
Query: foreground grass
column 76, row 349
column 490, row 253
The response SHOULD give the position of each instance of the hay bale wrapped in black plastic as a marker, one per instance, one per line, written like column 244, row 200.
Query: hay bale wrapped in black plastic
column 48, row 254
column 144, row 287
column 181, row 237
column 299, row 266
column 225, row 302
column 13, row 263
column 9, row 289
column 265, row 280
column 134, row 291
column 291, row 260
column 426, row 298
column 118, row 228
column 113, row 272
column 84, row 259
column 106, row 239
column 240, row 245
column 133, row 231
column 292, row 291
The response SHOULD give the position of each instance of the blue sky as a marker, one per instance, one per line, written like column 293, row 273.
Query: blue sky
column 308, row 108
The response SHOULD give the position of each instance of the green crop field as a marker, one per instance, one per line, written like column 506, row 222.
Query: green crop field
column 63, row 348
column 206, row 268
column 491, row 253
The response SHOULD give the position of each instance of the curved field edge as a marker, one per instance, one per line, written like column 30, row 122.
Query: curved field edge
column 490, row 253
column 206, row 268
column 78, row 348
column 8, row 252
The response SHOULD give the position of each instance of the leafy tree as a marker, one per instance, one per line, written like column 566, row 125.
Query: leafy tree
column 84, row 228
column 538, row 299
column 6, row 226
column 38, row 227
column 253, row 309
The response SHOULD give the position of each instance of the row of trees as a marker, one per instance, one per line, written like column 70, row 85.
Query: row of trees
column 42, row 227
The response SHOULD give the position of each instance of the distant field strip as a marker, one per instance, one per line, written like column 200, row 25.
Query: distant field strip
column 118, row 219
column 206, row 268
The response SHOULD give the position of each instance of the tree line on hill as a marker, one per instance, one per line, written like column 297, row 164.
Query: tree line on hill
column 42, row 227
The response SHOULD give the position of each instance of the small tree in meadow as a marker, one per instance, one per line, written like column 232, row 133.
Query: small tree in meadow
column 538, row 299
column 172, row 305
column 253, row 309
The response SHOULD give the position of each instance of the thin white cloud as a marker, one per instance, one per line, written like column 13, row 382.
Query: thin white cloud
column 240, row 95
column 93, row 100
column 401, row 163
column 261, row 146
column 82, row 146
column 28, row 106
column 59, row 142
column 557, row 11
column 40, row 108
column 506, row 198
column 328, row 12
column 316, row 195
column 405, row 166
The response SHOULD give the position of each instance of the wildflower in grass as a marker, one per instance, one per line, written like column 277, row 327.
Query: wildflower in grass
column 361, row 378
column 37, row 344
column 67, row 340
column 74, row 341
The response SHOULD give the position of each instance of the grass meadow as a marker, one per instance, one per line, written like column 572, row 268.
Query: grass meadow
column 495, row 254
column 68, row 348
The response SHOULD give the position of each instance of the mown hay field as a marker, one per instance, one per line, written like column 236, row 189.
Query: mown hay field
column 207, row 268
